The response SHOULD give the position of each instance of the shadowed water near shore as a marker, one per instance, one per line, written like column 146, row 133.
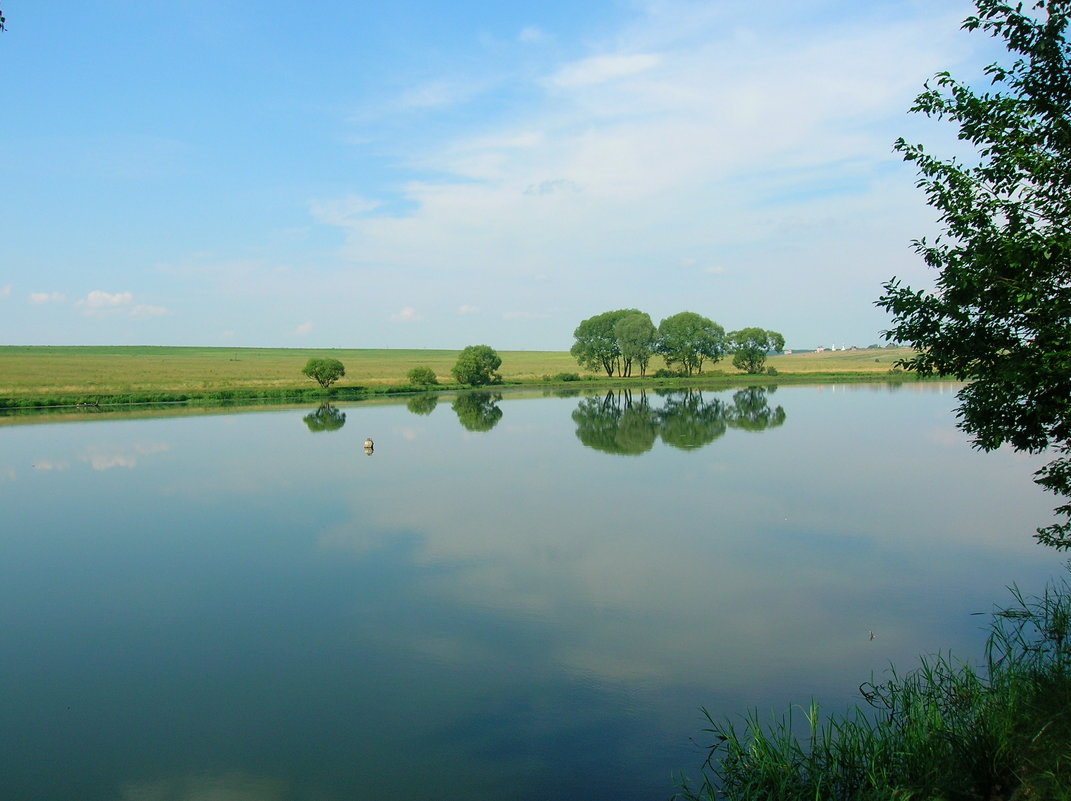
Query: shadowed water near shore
column 512, row 599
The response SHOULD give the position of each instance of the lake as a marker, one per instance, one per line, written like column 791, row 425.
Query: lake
column 510, row 598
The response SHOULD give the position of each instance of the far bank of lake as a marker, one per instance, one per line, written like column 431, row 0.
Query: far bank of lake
column 42, row 377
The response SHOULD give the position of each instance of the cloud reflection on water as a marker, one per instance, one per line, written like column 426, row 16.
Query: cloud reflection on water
column 482, row 609
column 679, row 569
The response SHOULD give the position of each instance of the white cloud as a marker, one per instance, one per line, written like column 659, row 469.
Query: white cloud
column 304, row 329
column 696, row 134
column 144, row 310
column 48, row 464
column 599, row 69
column 98, row 299
column 531, row 34
column 99, row 303
column 40, row 298
column 406, row 315
column 107, row 457
column 343, row 211
column 468, row 309
column 439, row 94
column 5, row 291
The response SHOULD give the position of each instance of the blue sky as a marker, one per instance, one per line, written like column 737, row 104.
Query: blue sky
column 437, row 174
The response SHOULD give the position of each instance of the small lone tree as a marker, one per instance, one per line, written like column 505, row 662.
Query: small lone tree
column 422, row 377
column 750, row 346
column 325, row 372
column 476, row 366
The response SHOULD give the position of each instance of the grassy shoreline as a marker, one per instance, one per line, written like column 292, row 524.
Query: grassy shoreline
column 945, row 731
column 39, row 377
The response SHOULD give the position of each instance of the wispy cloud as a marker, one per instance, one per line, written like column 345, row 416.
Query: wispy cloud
column 342, row 212
column 107, row 457
column 145, row 310
column 39, row 298
column 304, row 329
column 599, row 69
column 637, row 154
column 531, row 34
column 50, row 464
column 5, row 291
column 406, row 315
column 99, row 303
column 99, row 299
column 468, row 309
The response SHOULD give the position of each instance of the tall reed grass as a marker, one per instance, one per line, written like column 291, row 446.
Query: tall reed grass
column 946, row 731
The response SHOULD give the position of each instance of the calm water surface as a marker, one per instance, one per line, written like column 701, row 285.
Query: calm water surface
column 509, row 599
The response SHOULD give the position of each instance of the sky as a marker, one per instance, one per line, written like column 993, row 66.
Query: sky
column 431, row 174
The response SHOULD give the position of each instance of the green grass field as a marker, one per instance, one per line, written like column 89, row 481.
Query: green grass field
column 45, row 371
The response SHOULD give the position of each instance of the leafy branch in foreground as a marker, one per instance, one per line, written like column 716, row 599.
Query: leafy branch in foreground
column 1000, row 314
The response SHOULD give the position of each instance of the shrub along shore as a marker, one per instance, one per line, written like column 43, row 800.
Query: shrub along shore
column 64, row 376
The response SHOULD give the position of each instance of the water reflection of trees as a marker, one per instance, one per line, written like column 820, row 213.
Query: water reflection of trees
column 624, row 423
column 478, row 411
column 326, row 418
column 422, row 404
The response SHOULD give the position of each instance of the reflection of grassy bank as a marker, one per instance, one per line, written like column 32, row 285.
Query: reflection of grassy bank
column 943, row 732
column 36, row 377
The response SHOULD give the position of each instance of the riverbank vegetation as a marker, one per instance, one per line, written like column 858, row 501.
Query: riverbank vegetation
column 946, row 731
column 42, row 376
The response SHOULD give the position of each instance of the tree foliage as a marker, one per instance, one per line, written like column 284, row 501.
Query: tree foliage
column 1000, row 316
column 476, row 366
column 689, row 339
column 326, row 418
column 423, row 404
column 324, row 372
column 750, row 346
column 597, row 346
column 623, row 424
column 477, row 411
column 637, row 339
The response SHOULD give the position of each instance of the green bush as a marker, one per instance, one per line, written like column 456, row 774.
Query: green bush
column 422, row 377
column 771, row 371
column 567, row 377
column 476, row 366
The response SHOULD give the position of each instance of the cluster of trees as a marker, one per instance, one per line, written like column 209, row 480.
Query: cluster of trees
column 617, row 341
column 618, row 424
